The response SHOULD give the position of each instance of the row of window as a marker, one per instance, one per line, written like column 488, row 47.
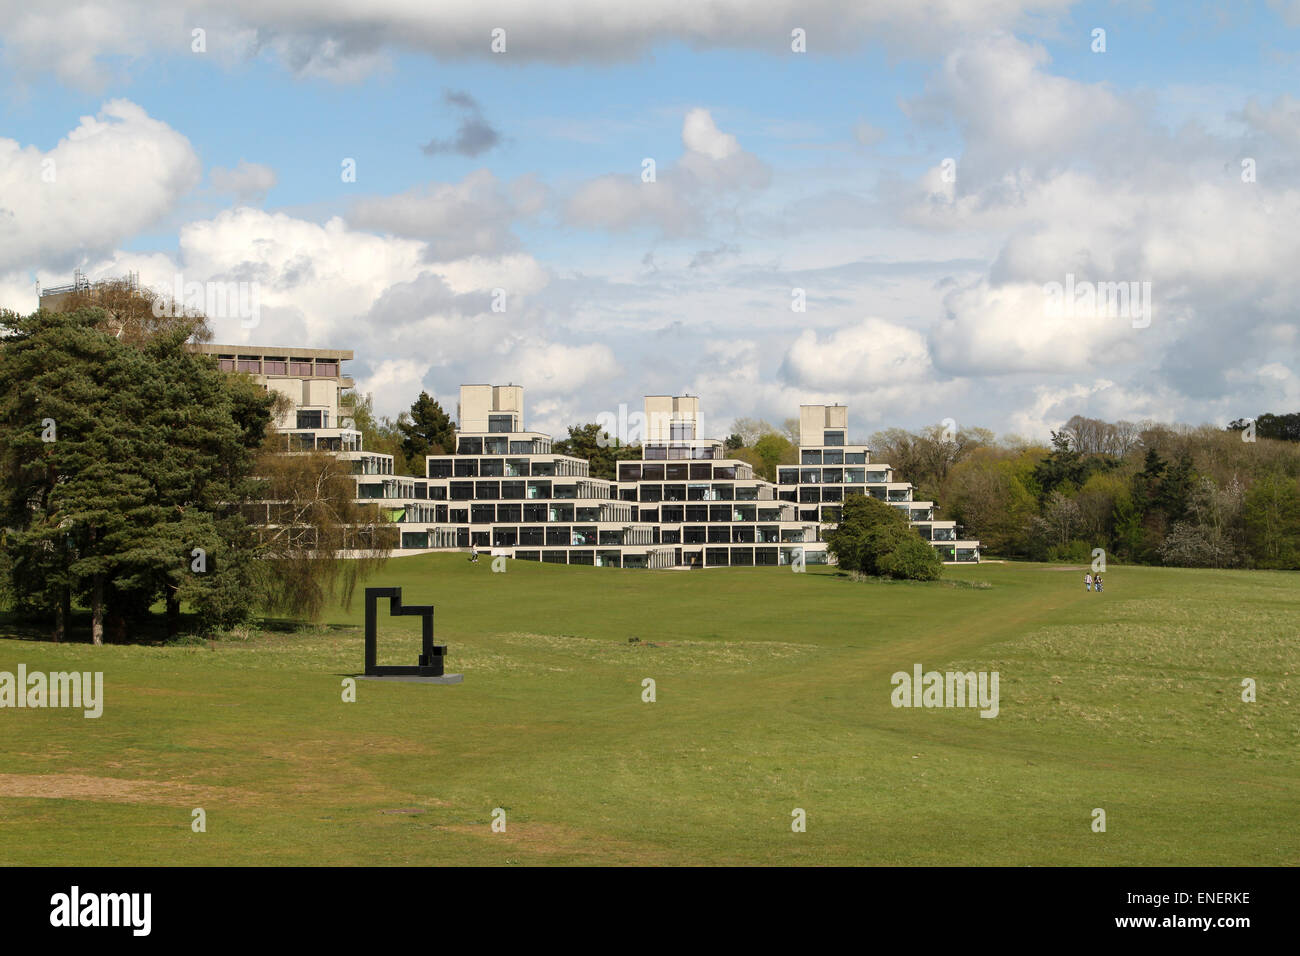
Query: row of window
column 504, row 514
column 818, row 456
column 649, row 471
column 256, row 365
column 504, row 468
column 692, row 492
column 504, row 446
column 526, row 490
column 832, row 476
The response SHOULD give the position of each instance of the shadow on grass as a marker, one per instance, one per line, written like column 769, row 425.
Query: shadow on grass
column 150, row 631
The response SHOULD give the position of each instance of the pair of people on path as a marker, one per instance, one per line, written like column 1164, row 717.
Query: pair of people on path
column 1089, row 581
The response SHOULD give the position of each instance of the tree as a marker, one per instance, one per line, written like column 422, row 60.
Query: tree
column 426, row 430
column 381, row 434
column 773, row 449
column 594, row 444
column 873, row 538
column 987, row 494
column 121, row 455
column 1271, row 511
column 135, row 315
column 1280, row 427
column 313, row 520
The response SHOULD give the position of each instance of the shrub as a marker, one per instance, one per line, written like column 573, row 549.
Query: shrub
column 912, row 559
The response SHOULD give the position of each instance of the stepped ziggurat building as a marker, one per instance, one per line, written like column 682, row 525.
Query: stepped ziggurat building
column 683, row 504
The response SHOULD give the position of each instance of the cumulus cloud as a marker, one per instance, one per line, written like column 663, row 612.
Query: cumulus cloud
column 472, row 217
column 117, row 173
column 246, row 181
column 871, row 354
column 1073, row 180
column 345, row 41
column 680, row 198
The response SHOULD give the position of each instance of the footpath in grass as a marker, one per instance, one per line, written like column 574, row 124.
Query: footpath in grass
column 772, row 694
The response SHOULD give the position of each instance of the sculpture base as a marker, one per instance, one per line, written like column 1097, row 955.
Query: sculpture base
column 415, row 678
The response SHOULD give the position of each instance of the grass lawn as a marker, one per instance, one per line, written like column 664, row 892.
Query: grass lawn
column 773, row 693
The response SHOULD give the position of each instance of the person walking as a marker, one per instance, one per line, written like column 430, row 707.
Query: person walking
column 1087, row 580
column 1097, row 582
column 473, row 554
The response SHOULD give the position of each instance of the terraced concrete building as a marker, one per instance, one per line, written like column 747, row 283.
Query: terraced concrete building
column 683, row 503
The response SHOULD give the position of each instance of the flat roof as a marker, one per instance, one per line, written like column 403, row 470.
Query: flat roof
column 264, row 350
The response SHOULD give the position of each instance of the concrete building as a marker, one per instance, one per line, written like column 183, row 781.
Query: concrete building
column 682, row 503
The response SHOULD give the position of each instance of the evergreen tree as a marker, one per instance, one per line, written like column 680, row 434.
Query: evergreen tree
column 426, row 430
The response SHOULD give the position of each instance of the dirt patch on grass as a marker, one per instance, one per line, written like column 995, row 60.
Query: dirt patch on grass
column 553, row 839
column 73, row 786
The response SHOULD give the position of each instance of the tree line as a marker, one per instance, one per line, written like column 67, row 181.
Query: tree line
column 137, row 474
column 1148, row 493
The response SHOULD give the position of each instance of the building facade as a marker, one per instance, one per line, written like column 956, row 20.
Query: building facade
column 503, row 490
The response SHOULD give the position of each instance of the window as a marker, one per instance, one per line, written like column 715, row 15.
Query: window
column 327, row 369
column 681, row 431
column 834, row 438
column 810, row 458
column 501, row 423
column 277, row 367
column 226, row 364
column 470, row 446
column 652, row 473
column 311, row 418
column 248, row 363
column 629, row 471
column 491, row 468
column 466, row 468
column 300, row 366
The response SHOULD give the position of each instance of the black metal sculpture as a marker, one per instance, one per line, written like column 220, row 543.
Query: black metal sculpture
column 433, row 655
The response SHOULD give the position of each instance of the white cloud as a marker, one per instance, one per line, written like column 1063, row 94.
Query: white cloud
column 246, row 181
column 471, row 217
column 681, row 198
column 344, row 41
column 117, row 173
column 858, row 358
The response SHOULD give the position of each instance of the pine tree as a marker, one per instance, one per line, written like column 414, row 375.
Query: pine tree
column 426, row 430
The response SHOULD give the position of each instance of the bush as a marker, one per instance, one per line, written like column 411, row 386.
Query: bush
column 912, row 559
column 873, row 538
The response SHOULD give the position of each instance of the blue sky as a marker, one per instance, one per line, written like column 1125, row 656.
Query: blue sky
column 821, row 171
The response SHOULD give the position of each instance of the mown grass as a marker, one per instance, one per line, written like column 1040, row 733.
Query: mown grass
column 773, row 693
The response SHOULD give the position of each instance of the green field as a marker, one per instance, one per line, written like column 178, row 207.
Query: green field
column 773, row 693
